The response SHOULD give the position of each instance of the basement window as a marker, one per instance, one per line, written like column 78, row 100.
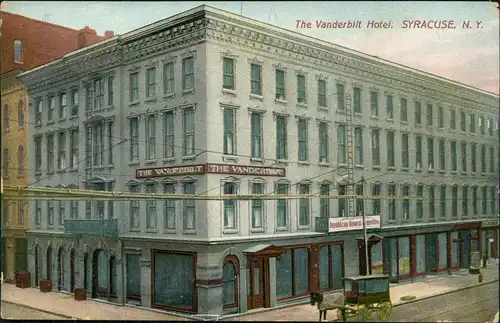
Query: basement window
column 18, row 51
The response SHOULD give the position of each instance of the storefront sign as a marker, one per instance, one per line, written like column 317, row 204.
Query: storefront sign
column 353, row 223
column 209, row 168
column 489, row 223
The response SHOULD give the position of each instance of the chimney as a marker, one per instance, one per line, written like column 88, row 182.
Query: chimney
column 109, row 34
column 85, row 36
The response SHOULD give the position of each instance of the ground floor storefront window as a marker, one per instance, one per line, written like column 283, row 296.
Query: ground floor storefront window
column 442, row 251
column 455, row 250
column 292, row 273
column 397, row 257
column 173, row 280
column 377, row 259
column 133, row 277
column 420, row 254
column 404, row 256
column 331, row 269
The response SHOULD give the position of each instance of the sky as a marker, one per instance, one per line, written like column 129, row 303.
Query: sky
column 469, row 56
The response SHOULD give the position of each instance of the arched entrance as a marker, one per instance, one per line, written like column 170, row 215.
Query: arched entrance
column 60, row 269
column 230, row 277
column 37, row 268
column 112, row 276
column 72, row 270
column 100, row 277
column 85, row 272
column 49, row 263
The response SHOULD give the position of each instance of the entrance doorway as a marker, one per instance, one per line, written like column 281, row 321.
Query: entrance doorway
column 366, row 268
column 60, row 269
column 72, row 270
column 258, row 280
column 49, row 263
column 464, row 249
column 431, row 244
column 37, row 264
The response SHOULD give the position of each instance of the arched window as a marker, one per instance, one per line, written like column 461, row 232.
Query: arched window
column 20, row 114
column 5, row 163
column 230, row 282
column 6, row 118
column 20, row 159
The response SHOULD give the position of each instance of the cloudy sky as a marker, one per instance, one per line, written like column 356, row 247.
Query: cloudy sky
column 470, row 56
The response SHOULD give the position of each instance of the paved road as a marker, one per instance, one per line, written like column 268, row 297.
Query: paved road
column 17, row 312
column 478, row 304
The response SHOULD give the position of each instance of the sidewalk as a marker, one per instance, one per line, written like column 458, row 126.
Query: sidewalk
column 65, row 305
column 425, row 287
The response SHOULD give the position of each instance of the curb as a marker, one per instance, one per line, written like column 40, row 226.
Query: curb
column 42, row 310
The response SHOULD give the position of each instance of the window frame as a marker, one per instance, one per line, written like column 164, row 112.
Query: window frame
column 151, row 82
column 188, row 72
column 256, row 81
column 236, row 265
column 18, row 51
column 303, row 139
column 228, row 73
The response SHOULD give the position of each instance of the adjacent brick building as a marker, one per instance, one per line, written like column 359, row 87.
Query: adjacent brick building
column 26, row 43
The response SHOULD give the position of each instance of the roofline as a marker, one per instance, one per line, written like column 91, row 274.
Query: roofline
column 39, row 21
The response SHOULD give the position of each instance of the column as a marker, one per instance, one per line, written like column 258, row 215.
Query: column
column 272, row 281
column 209, row 285
column 10, row 256
column 145, row 265
column 413, row 255
column 120, row 294
column 31, row 266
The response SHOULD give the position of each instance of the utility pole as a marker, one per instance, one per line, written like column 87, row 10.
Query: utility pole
column 350, row 158
column 365, row 235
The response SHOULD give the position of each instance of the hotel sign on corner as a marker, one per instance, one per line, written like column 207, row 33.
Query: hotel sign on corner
column 353, row 223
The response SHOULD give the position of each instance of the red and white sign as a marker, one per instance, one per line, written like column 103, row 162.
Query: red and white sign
column 354, row 223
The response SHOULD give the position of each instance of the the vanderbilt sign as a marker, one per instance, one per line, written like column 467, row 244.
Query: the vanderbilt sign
column 209, row 168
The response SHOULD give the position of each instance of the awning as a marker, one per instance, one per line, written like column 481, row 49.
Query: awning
column 371, row 238
column 265, row 249
column 467, row 226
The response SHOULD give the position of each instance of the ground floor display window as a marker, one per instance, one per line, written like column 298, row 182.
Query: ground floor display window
column 443, row 250
column 292, row 273
column 331, row 269
column 454, row 249
column 390, row 247
column 420, row 254
column 173, row 280
column 377, row 261
column 404, row 256
column 133, row 277
column 102, row 272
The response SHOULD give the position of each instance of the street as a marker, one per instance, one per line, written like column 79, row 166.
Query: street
column 19, row 312
column 478, row 304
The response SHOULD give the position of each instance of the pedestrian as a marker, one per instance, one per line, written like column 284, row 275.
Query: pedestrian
column 485, row 260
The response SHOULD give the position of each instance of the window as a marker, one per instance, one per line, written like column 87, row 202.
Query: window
column 6, row 215
column 111, row 80
column 405, row 192
column 340, row 96
column 256, row 79
column 430, row 115
column 465, row 201
column 188, row 73
column 303, row 140
column 304, row 205
column 151, row 82
column 483, row 159
column 442, row 156
column 50, row 153
column 292, row 272
column 358, row 140
column 280, row 85
column 38, row 154
column 420, row 203
column 331, row 266
column 342, row 190
column 324, row 203
column 229, row 131
column 134, row 87
column 38, row 212
column 432, row 206
column 256, row 134
column 282, row 206
column 404, row 110
column 391, row 207
column 474, row 201
column 492, row 160
column 189, row 207
column 440, row 117
column 229, row 282
column 18, row 51
column 453, row 119
column 342, row 146
column 20, row 114
column 390, row 107
column 473, row 157
column 472, row 125
column 230, row 216
column 6, row 116
column 356, row 98
column 62, row 212
column 463, row 121
column 228, row 73
column 257, row 207
column 323, row 142
column 74, row 102
column 134, row 139
column 490, row 126
column 73, row 209
column 301, row 89
column 169, row 207
column 360, row 202
column 418, row 113
column 481, row 125
column 463, row 154
column 281, row 138
column 5, row 162
column 20, row 214
column 405, row 157
column 151, row 137
column 150, row 208
column 62, row 106
column 390, row 149
column 98, row 94
column 454, row 201
column 493, row 198
column 52, row 107
column 169, row 134
column 442, row 201
column 484, row 200
column 453, row 151
column 109, row 124
column 188, row 140
column 418, row 151
column 61, row 150
column 376, row 202
column 38, row 112
column 98, row 144
column 374, row 103
column 135, row 215
column 168, row 78
column 50, row 213
column 322, row 93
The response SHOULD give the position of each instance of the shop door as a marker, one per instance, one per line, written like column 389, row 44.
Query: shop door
column 362, row 260
column 21, row 255
column 431, row 244
column 257, row 283
column 464, row 249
